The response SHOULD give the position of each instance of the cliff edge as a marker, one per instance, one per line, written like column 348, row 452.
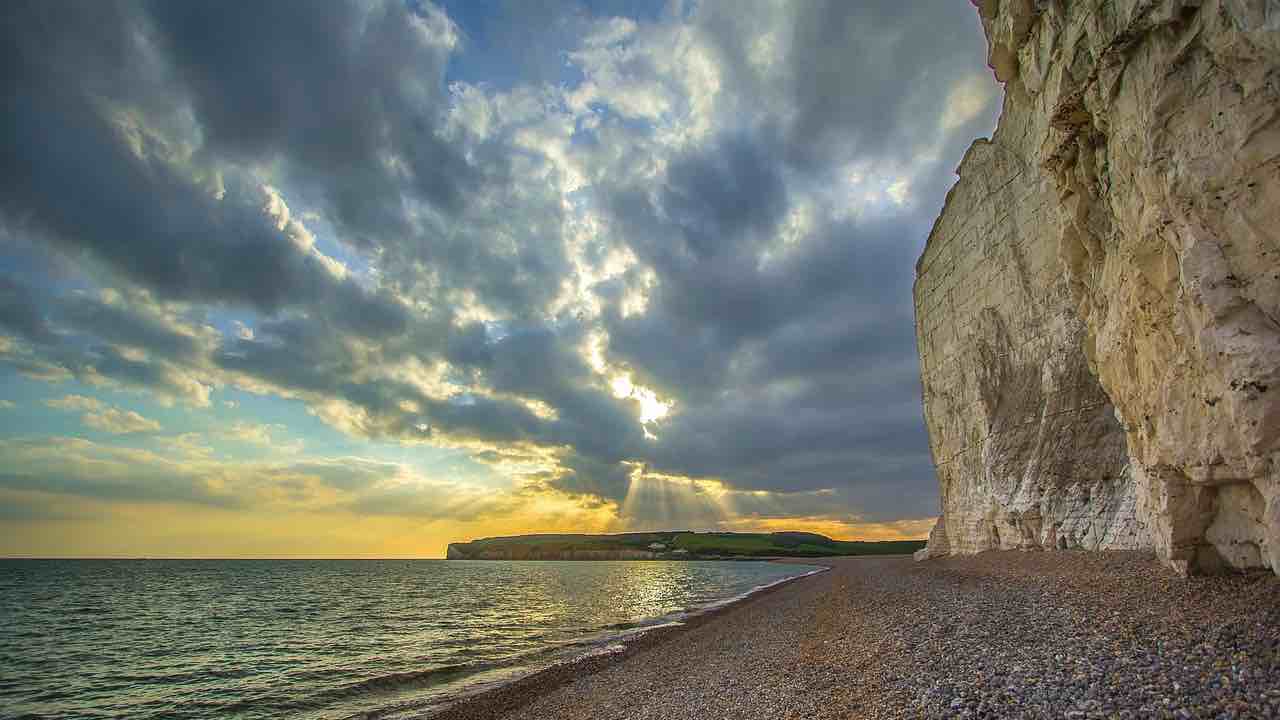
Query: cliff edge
column 1098, row 305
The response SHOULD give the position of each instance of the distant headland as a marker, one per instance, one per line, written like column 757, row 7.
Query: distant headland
column 672, row 545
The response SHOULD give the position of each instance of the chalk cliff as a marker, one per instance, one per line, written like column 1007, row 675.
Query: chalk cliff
column 1098, row 306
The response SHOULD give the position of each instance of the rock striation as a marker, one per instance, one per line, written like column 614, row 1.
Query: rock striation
column 1098, row 305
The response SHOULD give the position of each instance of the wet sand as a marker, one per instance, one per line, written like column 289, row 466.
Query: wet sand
column 1002, row 634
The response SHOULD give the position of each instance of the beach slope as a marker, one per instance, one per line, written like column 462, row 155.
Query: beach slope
column 1000, row 634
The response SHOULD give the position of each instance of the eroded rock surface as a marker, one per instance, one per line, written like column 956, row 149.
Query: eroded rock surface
column 1098, row 306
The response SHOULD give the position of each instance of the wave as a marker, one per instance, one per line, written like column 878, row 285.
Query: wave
column 716, row 604
column 371, row 687
column 396, row 682
column 630, row 629
column 422, row 693
column 609, row 640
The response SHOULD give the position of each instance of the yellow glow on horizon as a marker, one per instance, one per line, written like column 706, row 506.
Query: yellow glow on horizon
column 913, row 529
column 97, row 529
column 291, row 510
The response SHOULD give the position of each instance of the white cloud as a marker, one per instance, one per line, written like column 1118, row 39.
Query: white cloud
column 188, row 445
column 264, row 435
column 101, row 416
column 898, row 190
column 119, row 422
column 967, row 99
column 75, row 402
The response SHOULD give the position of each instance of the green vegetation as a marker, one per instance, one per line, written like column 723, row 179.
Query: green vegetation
column 673, row 545
column 788, row 544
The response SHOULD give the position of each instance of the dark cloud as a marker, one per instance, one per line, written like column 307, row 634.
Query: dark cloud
column 122, row 324
column 795, row 367
column 21, row 311
column 331, row 88
column 84, row 337
column 351, row 98
column 725, row 199
column 537, row 364
column 545, row 365
column 860, row 80
column 869, row 77
column 589, row 476
column 701, row 231
column 88, row 174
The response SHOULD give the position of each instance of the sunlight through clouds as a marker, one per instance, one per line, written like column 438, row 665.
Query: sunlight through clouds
column 580, row 269
column 651, row 408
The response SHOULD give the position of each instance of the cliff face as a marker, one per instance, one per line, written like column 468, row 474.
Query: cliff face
column 1098, row 306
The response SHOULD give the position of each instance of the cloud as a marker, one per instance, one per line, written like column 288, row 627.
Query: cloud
column 109, row 338
column 75, row 402
column 263, row 435
column 78, row 468
column 114, row 420
column 20, row 311
column 106, row 418
column 256, row 433
column 82, row 468
column 7, row 405
column 186, row 446
column 372, row 93
column 196, row 231
column 28, row 510
column 373, row 210
column 779, row 319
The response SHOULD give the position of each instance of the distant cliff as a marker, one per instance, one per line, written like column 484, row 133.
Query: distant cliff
column 460, row 551
column 676, row 545
column 1098, row 306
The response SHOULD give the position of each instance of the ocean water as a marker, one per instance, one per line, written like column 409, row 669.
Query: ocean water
column 321, row 639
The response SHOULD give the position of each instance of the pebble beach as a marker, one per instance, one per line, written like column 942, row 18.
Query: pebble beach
column 996, row 635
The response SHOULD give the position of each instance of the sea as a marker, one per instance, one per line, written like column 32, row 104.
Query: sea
column 319, row 639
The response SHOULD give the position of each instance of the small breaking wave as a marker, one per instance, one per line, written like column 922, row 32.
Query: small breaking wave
column 717, row 604
column 372, row 639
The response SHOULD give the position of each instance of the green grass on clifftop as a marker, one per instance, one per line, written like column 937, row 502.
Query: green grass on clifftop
column 675, row 545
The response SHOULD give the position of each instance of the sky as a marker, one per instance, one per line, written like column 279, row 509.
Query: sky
column 359, row 279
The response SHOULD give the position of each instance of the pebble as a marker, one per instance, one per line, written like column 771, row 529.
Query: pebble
column 998, row 635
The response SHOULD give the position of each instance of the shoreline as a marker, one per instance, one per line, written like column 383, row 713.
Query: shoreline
column 518, row 693
column 1028, row 634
